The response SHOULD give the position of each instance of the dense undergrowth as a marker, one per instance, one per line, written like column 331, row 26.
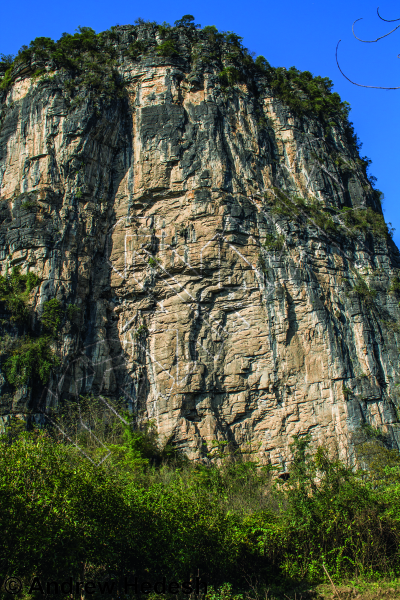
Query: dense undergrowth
column 95, row 499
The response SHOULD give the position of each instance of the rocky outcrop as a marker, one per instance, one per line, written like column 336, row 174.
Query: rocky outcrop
column 199, row 227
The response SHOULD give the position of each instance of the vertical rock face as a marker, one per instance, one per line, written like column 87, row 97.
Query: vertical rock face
column 234, row 275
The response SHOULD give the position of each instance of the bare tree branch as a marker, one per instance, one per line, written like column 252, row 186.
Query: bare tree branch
column 376, row 87
column 387, row 20
column 377, row 39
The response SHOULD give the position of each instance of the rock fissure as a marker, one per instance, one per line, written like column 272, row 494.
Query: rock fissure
column 217, row 233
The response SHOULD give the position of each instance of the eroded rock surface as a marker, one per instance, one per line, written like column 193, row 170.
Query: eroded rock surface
column 212, row 300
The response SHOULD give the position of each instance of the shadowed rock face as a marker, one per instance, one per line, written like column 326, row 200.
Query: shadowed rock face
column 212, row 299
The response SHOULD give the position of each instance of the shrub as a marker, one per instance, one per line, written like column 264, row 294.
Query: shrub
column 363, row 291
column 210, row 29
column 262, row 63
column 394, row 285
column 88, row 58
column 274, row 242
column 127, row 515
column 167, row 48
column 229, row 76
column 141, row 330
column 31, row 358
column 6, row 60
column 319, row 215
column 136, row 48
column 15, row 290
column 73, row 311
column 306, row 94
column 365, row 220
column 52, row 315
column 28, row 204
column 153, row 262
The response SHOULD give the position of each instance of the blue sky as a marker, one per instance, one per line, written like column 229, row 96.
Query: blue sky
column 303, row 34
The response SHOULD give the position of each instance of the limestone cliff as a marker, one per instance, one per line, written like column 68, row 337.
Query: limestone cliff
column 219, row 255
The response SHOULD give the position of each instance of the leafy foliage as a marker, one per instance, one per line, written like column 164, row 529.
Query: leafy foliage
column 229, row 76
column 167, row 48
column 306, row 94
column 15, row 289
column 31, row 358
column 366, row 220
column 6, row 60
column 137, row 48
column 52, row 315
column 186, row 21
column 274, row 242
column 140, row 513
column 362, row 289
column 88, row 58
column 73, row 311
column 394, row 285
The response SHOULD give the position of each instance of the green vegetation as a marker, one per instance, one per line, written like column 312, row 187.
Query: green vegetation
column 31, row 358
column 28, row 204
column 141, row 330
column 295, row 206
column 186, row 21
column 357, row 220
column 394, row 284
column 137, row 48
column 347, row 392
column 27, row 357
column 362, row 290
column 15, row 289
column 274, row 242
column 52, row 315
column 229, row 76
column 365, row 220
column 306, row 94
column 153, row 262
column 73, row 311
column 167, row 48
column 137, row 509
column 317, row 212
column 89, row 59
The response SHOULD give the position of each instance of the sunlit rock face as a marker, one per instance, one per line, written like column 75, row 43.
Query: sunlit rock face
column 212, row 298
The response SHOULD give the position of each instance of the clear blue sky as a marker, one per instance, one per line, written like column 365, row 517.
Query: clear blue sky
column 303, row 34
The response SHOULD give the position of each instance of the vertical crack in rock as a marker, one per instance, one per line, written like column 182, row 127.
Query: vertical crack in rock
column 229, row 269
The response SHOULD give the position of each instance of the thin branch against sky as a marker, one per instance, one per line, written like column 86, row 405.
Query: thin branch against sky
column 376, row 87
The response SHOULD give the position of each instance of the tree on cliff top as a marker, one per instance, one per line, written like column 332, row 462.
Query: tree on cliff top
column 186, row 21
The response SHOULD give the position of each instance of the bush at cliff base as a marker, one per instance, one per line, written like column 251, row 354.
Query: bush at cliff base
column 63, row 515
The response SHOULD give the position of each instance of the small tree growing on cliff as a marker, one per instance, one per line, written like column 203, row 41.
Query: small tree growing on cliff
column 186, row 21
